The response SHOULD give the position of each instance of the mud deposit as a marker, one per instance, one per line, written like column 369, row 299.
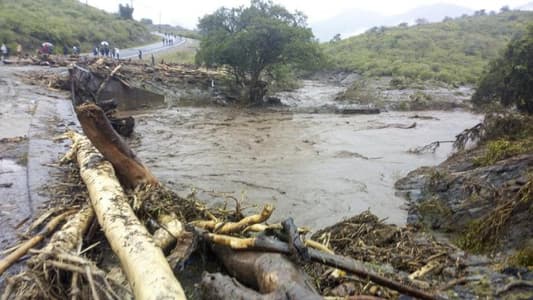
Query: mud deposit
column 318, row 168
column 30, row 117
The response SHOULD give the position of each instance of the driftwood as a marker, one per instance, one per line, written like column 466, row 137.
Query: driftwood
column 429, row 148
column 350, row 265
column 70, row 234
column 128, row 238
column 232, row 227
column 269, row 273
column 102, row 135
column 14, row 256
column 171, row 229
column 106, row 81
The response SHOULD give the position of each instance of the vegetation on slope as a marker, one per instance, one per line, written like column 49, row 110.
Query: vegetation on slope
column 509, row 78
column 453, row 51
column 65, row 22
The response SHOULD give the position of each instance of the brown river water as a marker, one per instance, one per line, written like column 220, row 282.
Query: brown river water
column 317, row 168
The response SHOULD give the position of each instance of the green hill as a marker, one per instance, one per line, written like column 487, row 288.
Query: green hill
column 454, row 51
column 65, row 22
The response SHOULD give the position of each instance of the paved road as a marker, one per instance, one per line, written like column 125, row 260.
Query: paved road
column 151, row 48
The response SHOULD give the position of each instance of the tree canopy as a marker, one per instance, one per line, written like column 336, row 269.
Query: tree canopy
column 254, row 40
column 125, row 11
column 509, row 78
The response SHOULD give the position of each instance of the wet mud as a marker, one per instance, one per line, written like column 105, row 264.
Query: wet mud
column 30, row 119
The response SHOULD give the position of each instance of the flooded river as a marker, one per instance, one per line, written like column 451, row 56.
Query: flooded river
column 317, row 168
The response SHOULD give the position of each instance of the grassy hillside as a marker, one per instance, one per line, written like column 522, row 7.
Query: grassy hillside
column 455, row 51
column 65, row 22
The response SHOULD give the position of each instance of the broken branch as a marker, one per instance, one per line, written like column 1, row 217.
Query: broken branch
column 14, row 256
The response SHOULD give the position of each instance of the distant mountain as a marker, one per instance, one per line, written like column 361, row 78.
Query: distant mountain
column 528, row 6
column 432, row 13
column 347, row 24
column 353, row 22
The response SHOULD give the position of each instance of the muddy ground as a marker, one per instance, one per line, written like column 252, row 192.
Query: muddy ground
column 31, row 117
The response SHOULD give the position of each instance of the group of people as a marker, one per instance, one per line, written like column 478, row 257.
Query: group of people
column 4, row 51
column 169, row 39
column 105, row 50
column 75, row 50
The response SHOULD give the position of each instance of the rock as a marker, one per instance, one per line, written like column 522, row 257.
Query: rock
column 452, row 195
column 476, row 260
column 273, row 101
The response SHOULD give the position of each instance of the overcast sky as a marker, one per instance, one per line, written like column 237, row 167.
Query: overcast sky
column 187, row 13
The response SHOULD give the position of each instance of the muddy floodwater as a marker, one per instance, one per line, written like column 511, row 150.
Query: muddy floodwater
column 317, row 168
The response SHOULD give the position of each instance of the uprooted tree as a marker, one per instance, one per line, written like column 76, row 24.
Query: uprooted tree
column 254, row 40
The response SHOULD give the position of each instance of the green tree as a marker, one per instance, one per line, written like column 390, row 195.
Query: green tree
column 336, row 38
column 146, row 21
column 253, row 40
column 509, row 78
column 125, row 11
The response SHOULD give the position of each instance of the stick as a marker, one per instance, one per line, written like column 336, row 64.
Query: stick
column 231, row 227
column 427, row 268
column 91, row 282
column 296, row 245
column 514, row 284
column 270, row 245
column 105, row 82
column 12, row 258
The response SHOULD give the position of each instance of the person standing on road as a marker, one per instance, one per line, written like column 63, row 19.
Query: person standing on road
column 140, row 54
column 19, row 50
column 3, row 49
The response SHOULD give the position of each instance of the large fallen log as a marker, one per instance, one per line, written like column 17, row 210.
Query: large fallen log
column 100, row 132
column 128, row 238
column 340, row 262
column 269, row 273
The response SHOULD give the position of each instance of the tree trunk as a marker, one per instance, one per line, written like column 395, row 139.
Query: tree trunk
column 257, row 88
column 267, row 273
column 145, row 265
column 102, row 135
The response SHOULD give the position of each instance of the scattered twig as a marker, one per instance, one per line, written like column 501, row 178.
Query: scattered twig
column 9, row 260
column 429, row 148
column 514, row 284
